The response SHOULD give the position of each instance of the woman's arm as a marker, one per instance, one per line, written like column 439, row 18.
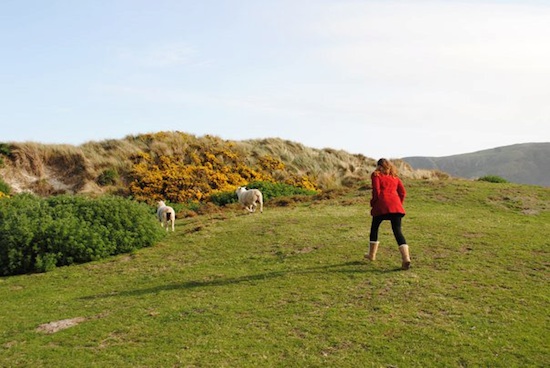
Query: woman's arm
column 401, row 192
column 375, row 179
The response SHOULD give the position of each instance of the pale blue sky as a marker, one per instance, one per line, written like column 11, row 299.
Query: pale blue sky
column 381, row 78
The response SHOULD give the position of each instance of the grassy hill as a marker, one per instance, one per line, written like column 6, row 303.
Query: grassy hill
column 290, row 288
column 527, row 163
column 183, row 162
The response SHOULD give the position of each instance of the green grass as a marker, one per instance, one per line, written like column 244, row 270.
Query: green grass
column 290, row 288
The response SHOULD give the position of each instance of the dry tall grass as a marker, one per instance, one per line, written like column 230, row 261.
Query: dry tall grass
column 331, row 168
column 50, row 169
column 46, row 169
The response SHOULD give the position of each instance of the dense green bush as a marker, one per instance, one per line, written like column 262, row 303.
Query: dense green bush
column 268, row 189
column 493, row 179
column 37, row 235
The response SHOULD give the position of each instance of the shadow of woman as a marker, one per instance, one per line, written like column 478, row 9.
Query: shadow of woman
column 352, row 267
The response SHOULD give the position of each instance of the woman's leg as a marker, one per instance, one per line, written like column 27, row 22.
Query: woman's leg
column 375, row 225
column 403, row 247
column 396, row 228
column 373, row 246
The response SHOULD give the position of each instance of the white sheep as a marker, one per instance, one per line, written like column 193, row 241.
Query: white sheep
column 250, row 198
column 165, row 215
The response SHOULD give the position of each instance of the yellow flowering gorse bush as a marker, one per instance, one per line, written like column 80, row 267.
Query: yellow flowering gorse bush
column 202, row 170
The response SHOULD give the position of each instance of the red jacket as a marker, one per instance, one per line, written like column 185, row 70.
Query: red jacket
column 388, row 194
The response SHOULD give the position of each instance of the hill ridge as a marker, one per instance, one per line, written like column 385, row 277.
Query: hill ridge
column 522, row 163
column 109, row 166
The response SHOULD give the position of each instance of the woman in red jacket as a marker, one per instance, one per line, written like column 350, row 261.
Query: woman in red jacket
column 388, row 194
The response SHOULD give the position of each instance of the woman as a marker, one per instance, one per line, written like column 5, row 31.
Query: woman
column 388, row 194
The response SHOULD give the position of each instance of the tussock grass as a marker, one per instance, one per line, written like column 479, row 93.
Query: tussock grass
column 332, row 168
column 56, row 169
column 110, row 153
column 28, row 156
column 290, row 288
column 46, row 169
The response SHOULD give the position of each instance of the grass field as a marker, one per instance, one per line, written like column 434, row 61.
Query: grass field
column 290, row 288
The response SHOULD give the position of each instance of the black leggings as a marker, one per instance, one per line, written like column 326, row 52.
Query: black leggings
column 395, row 219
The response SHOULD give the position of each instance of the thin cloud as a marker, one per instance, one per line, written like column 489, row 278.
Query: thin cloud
column 166, row 55
column 425, row 37
column 439, row 63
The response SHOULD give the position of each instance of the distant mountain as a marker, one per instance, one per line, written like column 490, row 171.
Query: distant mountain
column 527, row 163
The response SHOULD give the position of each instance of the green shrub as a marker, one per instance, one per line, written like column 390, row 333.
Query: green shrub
column 273, row 190
column 107, row 177
column 4, row 188
column 268, row 189
column 223, row 198
column 4, row 151
column 178, row 207
column 37, row 235
column 493, row 179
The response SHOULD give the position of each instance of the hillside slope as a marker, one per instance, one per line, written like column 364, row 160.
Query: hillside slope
column 111, row 166
column 527, row 163
column 290, row 288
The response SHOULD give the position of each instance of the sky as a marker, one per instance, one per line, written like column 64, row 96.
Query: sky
column 379, row 78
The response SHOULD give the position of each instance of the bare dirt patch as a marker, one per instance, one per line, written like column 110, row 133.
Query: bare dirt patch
column 53, row 327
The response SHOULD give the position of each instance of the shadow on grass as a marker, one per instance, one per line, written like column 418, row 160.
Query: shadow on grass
column 346, row 268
